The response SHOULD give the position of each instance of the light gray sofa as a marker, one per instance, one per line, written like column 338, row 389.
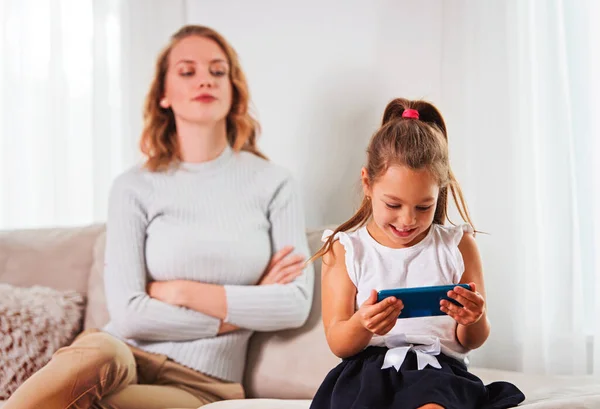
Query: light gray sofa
column 284, row 368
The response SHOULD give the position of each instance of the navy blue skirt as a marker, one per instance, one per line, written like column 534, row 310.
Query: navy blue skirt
column 359, row 382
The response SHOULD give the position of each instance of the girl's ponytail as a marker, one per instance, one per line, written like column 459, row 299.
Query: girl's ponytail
column 412, row 134
column 427, row 113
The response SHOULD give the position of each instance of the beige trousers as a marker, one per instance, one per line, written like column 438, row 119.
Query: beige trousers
column 100, row 371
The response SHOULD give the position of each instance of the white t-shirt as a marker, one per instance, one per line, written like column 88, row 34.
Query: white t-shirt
column 435, row 260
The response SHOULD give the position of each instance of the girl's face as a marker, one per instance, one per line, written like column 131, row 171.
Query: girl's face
column 403, row 202
column 197, row 85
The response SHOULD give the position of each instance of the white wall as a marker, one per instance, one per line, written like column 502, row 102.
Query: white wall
column 476, row 96
column 320, row 75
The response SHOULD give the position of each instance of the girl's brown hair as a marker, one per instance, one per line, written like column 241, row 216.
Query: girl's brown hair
column 417, row 143
column 159, row 136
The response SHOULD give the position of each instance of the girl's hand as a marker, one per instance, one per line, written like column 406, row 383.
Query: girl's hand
column 379, row 317
column 283, row 267
column 473, row 305
column 166, row 291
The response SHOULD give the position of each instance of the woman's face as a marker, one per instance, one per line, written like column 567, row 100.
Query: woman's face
column 197, row 84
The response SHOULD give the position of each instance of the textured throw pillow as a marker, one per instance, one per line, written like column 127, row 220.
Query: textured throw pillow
column 34, row 323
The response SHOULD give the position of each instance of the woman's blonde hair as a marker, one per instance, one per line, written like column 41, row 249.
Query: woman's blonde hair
column 416, row 143
column 159, row 140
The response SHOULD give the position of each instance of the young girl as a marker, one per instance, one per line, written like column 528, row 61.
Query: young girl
column 398, row 239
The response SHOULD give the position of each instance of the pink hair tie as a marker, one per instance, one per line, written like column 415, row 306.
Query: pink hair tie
column 410, row 113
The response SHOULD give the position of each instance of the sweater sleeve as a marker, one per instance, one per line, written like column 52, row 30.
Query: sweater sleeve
column 275, row 307
column 133, row 313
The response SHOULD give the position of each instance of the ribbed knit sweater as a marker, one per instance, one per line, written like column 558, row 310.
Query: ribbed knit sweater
column 216, row 222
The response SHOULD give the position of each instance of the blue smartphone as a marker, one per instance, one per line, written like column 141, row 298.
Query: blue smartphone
column 421, row 301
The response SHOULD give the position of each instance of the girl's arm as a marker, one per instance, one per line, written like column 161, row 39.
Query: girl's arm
column 349, row 332
column 473, row 325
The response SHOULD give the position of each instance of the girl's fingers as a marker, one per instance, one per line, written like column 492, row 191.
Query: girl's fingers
column 378, row 320
column 471, row 295
column 382, row 316
column 466, row 302
column 380, row 306
column 393, row 317
column 452, row 314
column 387, row 323
column 385, row 328
column 452, row 307
column 459, row 316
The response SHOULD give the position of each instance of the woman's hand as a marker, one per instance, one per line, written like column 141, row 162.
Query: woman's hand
column 283, row 267
column 166, row 291
column 379, row 317
column 473, row 305
column 172, row 292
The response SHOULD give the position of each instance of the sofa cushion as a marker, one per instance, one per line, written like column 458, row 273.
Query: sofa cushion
column 96, row 314
column 259, row 404
column 34, row 323
column 549, row 391
column 57, row 258
column 291, row 364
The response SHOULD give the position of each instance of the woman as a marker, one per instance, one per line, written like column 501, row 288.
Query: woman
column 189, row 235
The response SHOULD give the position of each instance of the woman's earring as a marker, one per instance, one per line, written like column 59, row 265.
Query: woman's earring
column 164, row 103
